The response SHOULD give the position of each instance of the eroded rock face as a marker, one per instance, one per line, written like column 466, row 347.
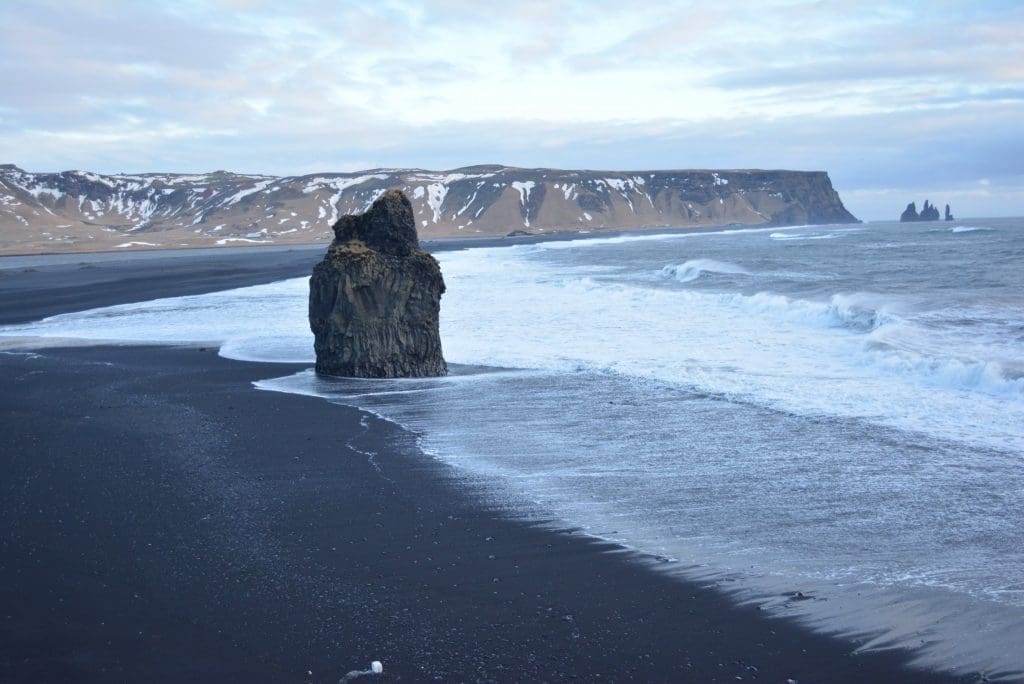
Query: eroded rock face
column 375, row 299
column 929, row 212
column 910, row 213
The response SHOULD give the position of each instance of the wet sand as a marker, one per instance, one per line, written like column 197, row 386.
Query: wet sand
column 164, row 521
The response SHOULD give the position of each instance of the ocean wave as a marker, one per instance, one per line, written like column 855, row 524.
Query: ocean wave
column 888, row 347
column 866, row 313
column 785, row 236
column 861, row 312
column 970, row 229
column 694, row 268
column 643, row 237
column 988, row 377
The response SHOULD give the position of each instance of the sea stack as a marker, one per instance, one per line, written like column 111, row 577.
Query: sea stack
column 375, row 299
column 928, row 213
column 910, row 213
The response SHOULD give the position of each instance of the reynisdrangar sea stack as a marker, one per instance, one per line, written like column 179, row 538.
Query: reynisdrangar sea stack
column 375, row 299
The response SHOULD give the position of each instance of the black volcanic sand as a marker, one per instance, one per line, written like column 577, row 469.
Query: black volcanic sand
column 164, row 521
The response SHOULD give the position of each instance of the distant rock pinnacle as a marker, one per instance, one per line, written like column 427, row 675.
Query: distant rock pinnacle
column 910, row 213
column 929, row 212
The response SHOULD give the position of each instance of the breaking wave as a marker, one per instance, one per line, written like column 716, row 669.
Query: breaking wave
column 988, row 377
column 970, row 229
column 694, row 268
column 861, row 312
column 857, row 315
column 786, row 236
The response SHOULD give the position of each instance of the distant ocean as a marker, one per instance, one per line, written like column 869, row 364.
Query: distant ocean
column 831, row 410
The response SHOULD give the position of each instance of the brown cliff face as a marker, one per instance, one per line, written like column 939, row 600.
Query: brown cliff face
column 375, row 299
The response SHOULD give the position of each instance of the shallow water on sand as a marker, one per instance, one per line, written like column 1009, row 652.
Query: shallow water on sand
column 831, row 410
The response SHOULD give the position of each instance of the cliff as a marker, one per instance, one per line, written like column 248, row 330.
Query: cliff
column 77, row 210
column 375, row 299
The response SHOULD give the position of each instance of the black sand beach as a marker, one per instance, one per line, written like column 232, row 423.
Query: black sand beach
column 164, row 521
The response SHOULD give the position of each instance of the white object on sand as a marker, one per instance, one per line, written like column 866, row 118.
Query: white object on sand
column 375, row 669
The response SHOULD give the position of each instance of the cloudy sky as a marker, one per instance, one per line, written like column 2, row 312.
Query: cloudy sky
column 899, row 101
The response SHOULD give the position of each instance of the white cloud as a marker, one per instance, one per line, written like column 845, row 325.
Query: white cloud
column 916, row 93
column 260, row 105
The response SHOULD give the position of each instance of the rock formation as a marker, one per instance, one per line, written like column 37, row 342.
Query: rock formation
column 949, row 215
column 929, row 212
column 375, row 299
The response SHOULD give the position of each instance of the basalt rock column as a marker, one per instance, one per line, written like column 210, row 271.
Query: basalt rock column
column 375, row 299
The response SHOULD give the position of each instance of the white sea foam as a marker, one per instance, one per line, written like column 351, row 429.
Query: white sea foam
column 970, row 229
column 225, row 318
column 644, row 237
column 802, row 355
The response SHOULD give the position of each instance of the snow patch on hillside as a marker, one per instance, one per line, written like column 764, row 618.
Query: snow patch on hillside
column 238, row 196
column 435, row 198
column 524, row 188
